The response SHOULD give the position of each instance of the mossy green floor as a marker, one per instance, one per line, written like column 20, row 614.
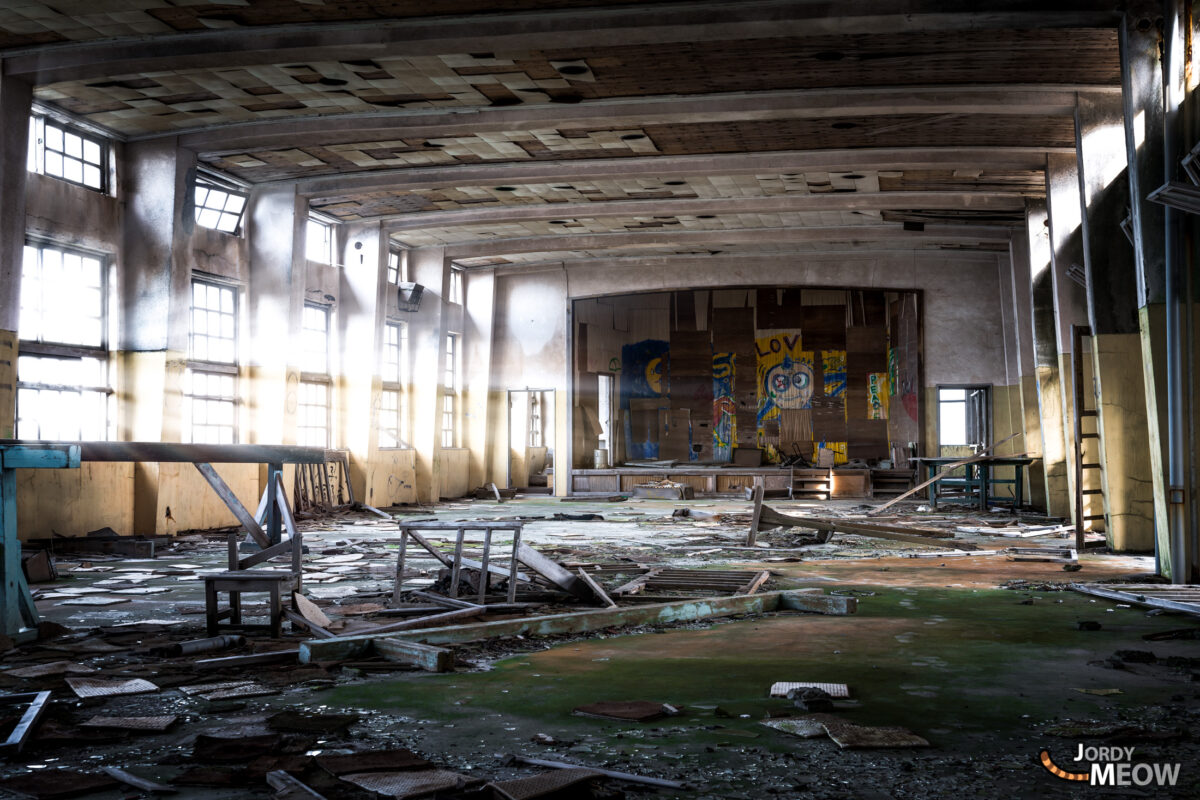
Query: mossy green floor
column 973, row 671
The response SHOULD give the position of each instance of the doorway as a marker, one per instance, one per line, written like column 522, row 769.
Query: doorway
column 531, row 440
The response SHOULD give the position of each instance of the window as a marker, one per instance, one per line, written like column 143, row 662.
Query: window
column 450, row 393
column 397, row 267
column 393, row 401
column 63, row 387
column 315, row 408
column 964, row 416
column 219, row 208
column 210, row 382
column 535, row 421
column 604, row 397
column 456, row 285
column 66, row 152
column 318, row 241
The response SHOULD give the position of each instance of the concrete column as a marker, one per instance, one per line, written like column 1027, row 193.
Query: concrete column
column 361, row 320
column 1142, row 93
column 479, row 313
column 426, row 331
column 1026, row 368
column 15, row 104
column 1047, row 363
column 1070, row 299
column 275, row 228
column 1113, row 317
column 155, row 298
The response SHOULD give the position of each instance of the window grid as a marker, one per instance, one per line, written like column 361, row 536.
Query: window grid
column 395, row 267
column 456, row 286
column 67, row 153
column 393, row 400
column 318, row 245
column 218, row 208
column 313, row 422
column 63, row 387
column 450, row 393
column 315, row 339
column 214, row 322
column 210, row 381
column 210, row 401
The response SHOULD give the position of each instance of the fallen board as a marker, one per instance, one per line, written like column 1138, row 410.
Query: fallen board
column 353, row 647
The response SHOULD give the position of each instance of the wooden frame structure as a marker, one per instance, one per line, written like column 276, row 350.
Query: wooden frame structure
column 410, row 530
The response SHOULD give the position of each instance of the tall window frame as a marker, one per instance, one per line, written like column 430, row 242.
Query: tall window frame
column 456, row 285
column 397, row 266
column 314, row 425
column 64, row 389
column 450, row 391
column 319, row 237
column 393, row 398
column 210, row 386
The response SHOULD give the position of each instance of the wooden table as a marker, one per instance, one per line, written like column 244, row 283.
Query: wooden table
column 979, row 478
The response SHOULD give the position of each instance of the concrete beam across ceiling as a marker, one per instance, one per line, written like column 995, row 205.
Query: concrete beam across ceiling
column 950, row 234
column 565, row 28
column 779, row 204
column 632, row 112
column 1031, row 159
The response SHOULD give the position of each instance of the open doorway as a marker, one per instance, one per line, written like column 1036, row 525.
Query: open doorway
column 531, row 440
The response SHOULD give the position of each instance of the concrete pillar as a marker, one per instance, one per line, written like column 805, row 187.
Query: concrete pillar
column 275, row 222
column 155, row 300
column 1142, row 93
column 1070, row 302
column 1113, row 318
column 1022, row 302
column 1047, row 363
column 360, row 322
column 15, row 104
column 479, row 313
column 426, row 331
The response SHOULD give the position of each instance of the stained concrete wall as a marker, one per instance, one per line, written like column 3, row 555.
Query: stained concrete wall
column 962, row 319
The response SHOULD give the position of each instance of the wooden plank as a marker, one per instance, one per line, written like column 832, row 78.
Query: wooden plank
column 233, row 504
column 466, row 562
column 752, row 536
column 266, row 554
column 288, row 788
column 1137, row 599
column 552, row 572
column 431, row 621
column 130, row 779
column 252, row 660
column 637, row 584
column 756, row 583
column 350, row 647
column 427, row 657
column 596, row 589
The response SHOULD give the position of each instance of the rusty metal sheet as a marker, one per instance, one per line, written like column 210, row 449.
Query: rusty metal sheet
column 850, row 736
column 409, row 783
column 100, row 687
column 544, row 784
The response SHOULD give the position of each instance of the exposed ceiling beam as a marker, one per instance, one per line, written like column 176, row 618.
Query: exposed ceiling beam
column 684, row 260
column 566, row 28
column 963, row 234
column 509, row 173
column 626, row 112
column 778, row 204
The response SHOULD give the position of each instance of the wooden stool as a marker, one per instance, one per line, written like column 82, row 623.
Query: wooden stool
column 246, row 580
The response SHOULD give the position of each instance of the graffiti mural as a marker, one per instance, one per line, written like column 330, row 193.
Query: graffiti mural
column 644, row 374
column 785, row 375
column 724, row 407
column 839, row 449
column 877, row 395
column 833, row 367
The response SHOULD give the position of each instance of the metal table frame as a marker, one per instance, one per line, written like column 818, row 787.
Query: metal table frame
column 979, row 478
column 20, row 615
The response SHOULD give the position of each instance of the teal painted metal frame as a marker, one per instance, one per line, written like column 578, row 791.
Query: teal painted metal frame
column 16, row 602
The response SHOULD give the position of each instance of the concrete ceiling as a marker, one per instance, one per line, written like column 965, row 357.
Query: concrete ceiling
column 584, row 129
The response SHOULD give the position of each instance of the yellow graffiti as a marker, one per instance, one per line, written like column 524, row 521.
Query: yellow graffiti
column 654, row 375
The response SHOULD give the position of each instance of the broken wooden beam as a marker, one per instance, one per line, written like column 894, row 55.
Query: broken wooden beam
column 553, row 572
column 129, row 779
column 252, row 660
column 596, row 588
column 354, row 647
column 431, row 621
column 414, row 654
column 608, row 773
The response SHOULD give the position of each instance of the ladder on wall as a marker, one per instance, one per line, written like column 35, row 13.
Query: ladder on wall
column 1083, row 469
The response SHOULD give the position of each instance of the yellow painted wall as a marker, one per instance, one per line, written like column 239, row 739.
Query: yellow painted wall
column 1128, row 487
column 454, row 472
column 8, row 383
column 71, row 502
column 391, row 478
column 192, row 502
